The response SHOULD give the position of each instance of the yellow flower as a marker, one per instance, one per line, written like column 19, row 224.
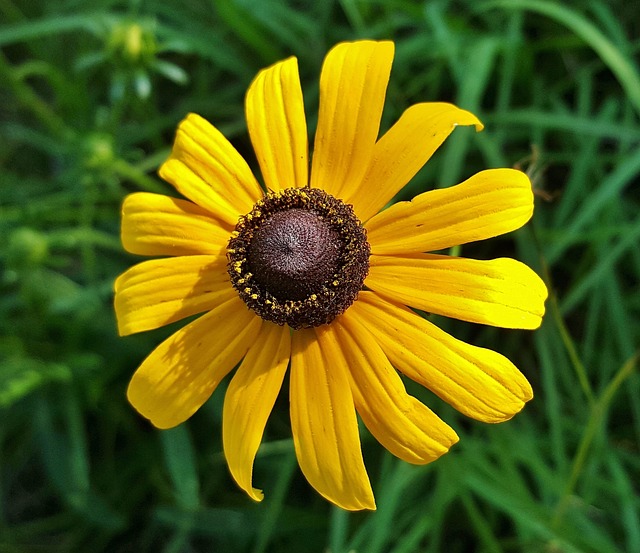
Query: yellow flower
column 316, row 274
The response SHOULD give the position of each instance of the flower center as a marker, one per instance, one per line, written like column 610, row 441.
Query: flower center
column 299, row 257
column 293, row 253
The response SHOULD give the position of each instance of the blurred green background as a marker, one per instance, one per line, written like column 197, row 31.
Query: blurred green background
column 90, row 95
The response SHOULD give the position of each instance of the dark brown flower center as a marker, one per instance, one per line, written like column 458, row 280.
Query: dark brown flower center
column 299, row 257
column 293, row 253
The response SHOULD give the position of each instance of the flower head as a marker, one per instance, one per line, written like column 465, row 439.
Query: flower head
column 312, row 273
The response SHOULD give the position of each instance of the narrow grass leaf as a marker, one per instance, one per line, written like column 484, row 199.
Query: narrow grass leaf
column 179, row 458
column 601, row 269
column 622, row 67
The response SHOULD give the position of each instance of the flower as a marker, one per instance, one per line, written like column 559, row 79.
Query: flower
column 316, row 274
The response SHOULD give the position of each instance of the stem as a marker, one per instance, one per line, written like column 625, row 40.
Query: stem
column 127, row 171
column 596, row 419
column 25, row 95
column 579, row 368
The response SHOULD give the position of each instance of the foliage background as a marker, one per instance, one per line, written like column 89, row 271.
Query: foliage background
column 90, row 95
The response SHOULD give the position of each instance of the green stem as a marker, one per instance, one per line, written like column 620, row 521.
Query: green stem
column 127, row 171
column 595, row 422
column 579, row 368
column 70, row 238
column 31, row 101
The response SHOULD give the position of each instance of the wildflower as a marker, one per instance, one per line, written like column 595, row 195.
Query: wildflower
column 315, row 274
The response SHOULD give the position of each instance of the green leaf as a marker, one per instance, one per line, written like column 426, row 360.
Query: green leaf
column 179, row 458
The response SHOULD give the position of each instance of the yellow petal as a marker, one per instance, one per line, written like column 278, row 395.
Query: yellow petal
column 208, row 170
column 324, row 424
column 500, row 292
column 158, row 292
column 478, row 382
column 353, row 84
column 402, row 152
column 184, row 370
column 488, row 204
column 249, row 400
column 401, row 423
column 153, row 224
column 277, row 126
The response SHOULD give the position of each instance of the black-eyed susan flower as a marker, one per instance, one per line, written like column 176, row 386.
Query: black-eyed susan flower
column 312, row 273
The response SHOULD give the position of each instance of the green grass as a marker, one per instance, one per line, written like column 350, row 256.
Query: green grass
column 86, row 119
